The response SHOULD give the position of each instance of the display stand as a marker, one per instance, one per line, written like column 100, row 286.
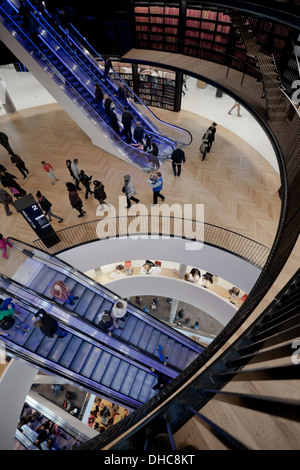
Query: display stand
column 34, row 216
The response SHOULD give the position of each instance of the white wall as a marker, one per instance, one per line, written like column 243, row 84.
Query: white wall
column 213, row 260
column 218, row 262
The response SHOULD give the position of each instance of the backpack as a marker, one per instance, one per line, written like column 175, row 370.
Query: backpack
column 7, row 323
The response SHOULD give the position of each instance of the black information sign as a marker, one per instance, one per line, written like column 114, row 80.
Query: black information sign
column 33, row 214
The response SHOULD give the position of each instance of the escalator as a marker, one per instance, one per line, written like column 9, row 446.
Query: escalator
column 118, row 367
column 76, row 71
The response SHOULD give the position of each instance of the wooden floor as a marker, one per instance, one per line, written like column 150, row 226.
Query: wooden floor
column 236, row 185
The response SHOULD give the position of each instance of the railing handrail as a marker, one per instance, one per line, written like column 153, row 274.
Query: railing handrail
column 258, row 250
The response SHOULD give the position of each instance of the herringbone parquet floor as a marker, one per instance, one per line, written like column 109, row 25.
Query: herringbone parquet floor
column 236, row 185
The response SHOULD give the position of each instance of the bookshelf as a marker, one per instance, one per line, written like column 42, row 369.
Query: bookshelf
column 154, row 86
column 207, row 33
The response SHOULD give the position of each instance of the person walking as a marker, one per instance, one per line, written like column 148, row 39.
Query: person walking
column 204, row 148
column 76, row 171
column 69, row 166
column 46, row 207
column 138, row 133
column 127, row 119
column 74, row 199
column 20, row 164
column 6, row 199
column 86, row 181
column 50, row 172
column 48, row 325
column 210, row 135
column 129, row 191
column 8, row 181
column 4, row 141
column 177, row 158
column 99, row 193
column 156, row 182
column 61, row 292
column 3, row 244
column 238, row 106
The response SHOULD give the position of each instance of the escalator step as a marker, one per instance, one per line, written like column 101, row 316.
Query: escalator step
column 146, row 389
column 84, row 301
column 60, row 346
column 42, row 280
column 34, row 340
column 70, row 352
column 80, row 357
column 137, row 332
column 137, row 384
column 145, row 337
column 94, row 308
column 111, row 371
column 130, row 325
column 91, row 362
column 128, row 380
column 118, row 379
column 100, row 367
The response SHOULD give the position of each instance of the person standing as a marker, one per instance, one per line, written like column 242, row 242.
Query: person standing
column 210, row 135
column 138, row 133
column 156, row 182
column 127, row 119
column 76, row 171
column 48, row 325
column 99, row 193
column 69, row 166
column 98, row 94
column 50, row 172
column 5, row 143
column 8, row 181
column 119, row 311
column 107, row 105
column 114, row 122
column 86, row 181
column 46, row 207
column 129, row 191
column 60, row 291
column 177, row 157
column 20, row 164
column 6, row 199
column 107, row 67
column 74, row 199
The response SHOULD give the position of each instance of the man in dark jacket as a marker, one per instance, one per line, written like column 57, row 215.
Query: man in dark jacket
column 5, row 143
column 177, row 157
column 127, row 119
column 48, row 325
column 20, row 164
column 138, row 134
column 8, row 181
column 46, row 207
column 162, row 379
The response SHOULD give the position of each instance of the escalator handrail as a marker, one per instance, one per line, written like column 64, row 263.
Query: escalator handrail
column 78, row 276
column 49, row 29
column 125, row 84
column 113, row 342
column 117, row 140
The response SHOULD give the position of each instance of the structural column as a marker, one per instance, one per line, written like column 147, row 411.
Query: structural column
column 173, row 310
column 15, row 384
